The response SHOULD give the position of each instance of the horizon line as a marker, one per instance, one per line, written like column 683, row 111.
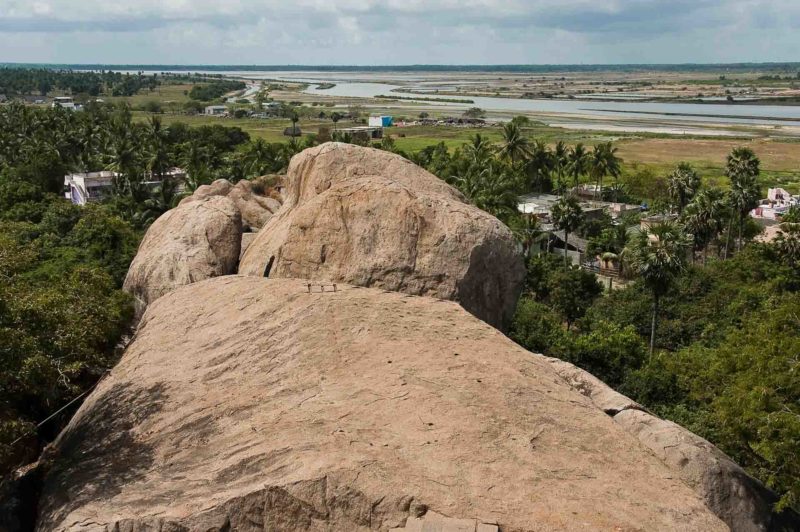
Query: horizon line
column 399, row 65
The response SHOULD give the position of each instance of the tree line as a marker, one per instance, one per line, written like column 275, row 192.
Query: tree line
column 216, row 89
column 18, row 81
column 40, row 81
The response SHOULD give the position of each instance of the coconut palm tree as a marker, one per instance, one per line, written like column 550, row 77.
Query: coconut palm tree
column 578, row 162
column 478, row 150
column 567, row 216
column 742, row 168
column 657, row 255
column 787, row 243
column 195, row 160
column 157, row 155
column 560, row 162
column 335, row 117
column 683, row 184
column 539, row 166
column 125, row 160
column 163, row 198
column 490, row 188
column 603, row 161
column 261, row 158
column 705, row 218
column 526, row 229
column 514, row 147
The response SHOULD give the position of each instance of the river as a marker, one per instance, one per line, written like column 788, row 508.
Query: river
column 744, row 114
column 696, row 118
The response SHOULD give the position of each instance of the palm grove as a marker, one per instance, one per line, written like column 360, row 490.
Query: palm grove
column 704, row 335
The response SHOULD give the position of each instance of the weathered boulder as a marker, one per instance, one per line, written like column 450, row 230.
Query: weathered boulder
column 254, row 208
column 603, row 396
column 220, row 187
column 193, row 242
column 271, row 408
column 735, row 497
column 371, row 218
column 740, row 500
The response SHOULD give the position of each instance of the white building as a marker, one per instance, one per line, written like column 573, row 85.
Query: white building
column 65, row 102
column 84, row 188
column 778, row 203
column 380, row 121
column 216, row 110
column 781, row 197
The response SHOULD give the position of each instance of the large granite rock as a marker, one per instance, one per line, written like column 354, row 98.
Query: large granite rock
column 190, row 243
column 255, row 209
column 271, row 408
column 371, row 218
column 740, row 500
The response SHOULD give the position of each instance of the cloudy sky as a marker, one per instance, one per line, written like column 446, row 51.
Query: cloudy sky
column 387, row 32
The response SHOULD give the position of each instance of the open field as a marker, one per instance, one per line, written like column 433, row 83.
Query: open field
column 774, row 155
column 163, row 94
column 780, row 161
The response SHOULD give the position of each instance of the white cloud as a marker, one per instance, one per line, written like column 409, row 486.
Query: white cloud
column 398, row 31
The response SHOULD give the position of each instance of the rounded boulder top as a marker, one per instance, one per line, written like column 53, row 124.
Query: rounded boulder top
column 372, row 218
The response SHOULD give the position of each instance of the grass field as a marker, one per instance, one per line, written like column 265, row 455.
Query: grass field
column 780, row 161
column 164, row 94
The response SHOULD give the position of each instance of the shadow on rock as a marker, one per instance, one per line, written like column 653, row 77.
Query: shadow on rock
column 97, row 454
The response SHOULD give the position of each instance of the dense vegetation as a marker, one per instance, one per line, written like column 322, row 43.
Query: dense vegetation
column 39, row 81
column 61, row 310
column 212, row 91
column 18, row 81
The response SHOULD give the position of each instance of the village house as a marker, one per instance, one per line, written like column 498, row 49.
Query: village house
column 363, row 132
column 89, row 187
column 656, row 219
column 576, row 247
column 777, row 203
column 539, row 205
column 380, row 121
column 65, row 102
column 216, row 110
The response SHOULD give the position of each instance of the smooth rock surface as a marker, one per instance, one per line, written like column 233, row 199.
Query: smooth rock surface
column 371, row 218
column 269, row 408
column 190, row 243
